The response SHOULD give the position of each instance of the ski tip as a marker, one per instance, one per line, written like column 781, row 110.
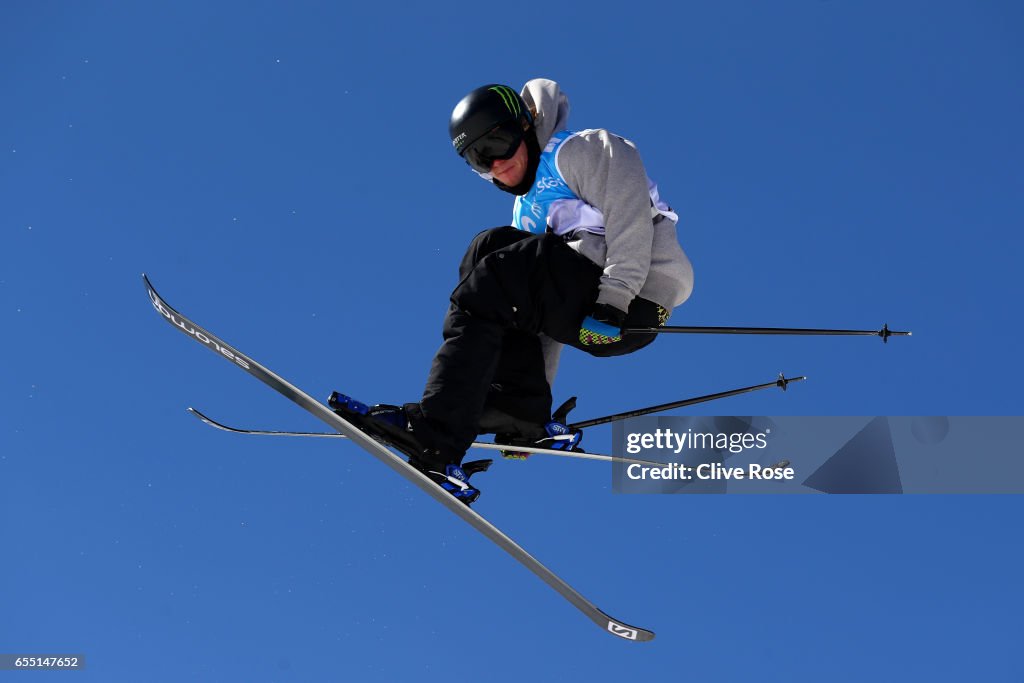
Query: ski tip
column 195, row 413
column 149, row 286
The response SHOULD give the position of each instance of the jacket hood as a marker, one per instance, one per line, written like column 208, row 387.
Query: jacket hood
column 550, row 107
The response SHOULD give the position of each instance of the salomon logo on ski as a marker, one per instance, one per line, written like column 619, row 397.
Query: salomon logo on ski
column 621, row 631
column 193, row 332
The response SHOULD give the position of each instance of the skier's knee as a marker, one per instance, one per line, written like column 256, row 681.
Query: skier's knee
column 486, row 242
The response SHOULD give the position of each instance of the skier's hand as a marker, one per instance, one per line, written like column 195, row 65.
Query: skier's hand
column 602, row 326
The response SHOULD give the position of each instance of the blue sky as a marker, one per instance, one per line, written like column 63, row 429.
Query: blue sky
column 283, row 173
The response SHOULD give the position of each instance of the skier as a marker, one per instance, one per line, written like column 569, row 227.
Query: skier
column 592, row 248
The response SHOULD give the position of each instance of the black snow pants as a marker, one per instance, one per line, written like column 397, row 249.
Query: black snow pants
column 514, row 285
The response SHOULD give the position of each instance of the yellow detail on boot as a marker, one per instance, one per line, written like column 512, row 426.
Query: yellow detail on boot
column 514, row 455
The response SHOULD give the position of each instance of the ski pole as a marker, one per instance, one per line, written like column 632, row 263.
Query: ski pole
column 781, row 382
column 884, row 333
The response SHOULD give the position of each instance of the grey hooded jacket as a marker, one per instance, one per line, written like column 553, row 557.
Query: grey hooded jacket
column 639, row 250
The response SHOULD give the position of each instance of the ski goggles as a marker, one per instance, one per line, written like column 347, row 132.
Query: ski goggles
column 501, row 142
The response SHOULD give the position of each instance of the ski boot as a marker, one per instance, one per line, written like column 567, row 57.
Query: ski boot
column 389, row 424
column 455, row 478
column 555, row 435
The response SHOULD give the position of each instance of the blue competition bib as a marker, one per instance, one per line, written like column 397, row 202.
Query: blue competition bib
column 531, row 210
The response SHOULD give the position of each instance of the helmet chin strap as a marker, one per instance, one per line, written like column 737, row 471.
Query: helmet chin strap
column 532, row 162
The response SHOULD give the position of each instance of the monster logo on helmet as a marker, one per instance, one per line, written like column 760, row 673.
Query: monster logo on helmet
column 510, row 98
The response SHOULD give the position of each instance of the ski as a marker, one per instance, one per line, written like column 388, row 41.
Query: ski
column 399, row 465
column 476, row 444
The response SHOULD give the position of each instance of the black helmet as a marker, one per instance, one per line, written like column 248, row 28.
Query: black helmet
column 484, row 109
